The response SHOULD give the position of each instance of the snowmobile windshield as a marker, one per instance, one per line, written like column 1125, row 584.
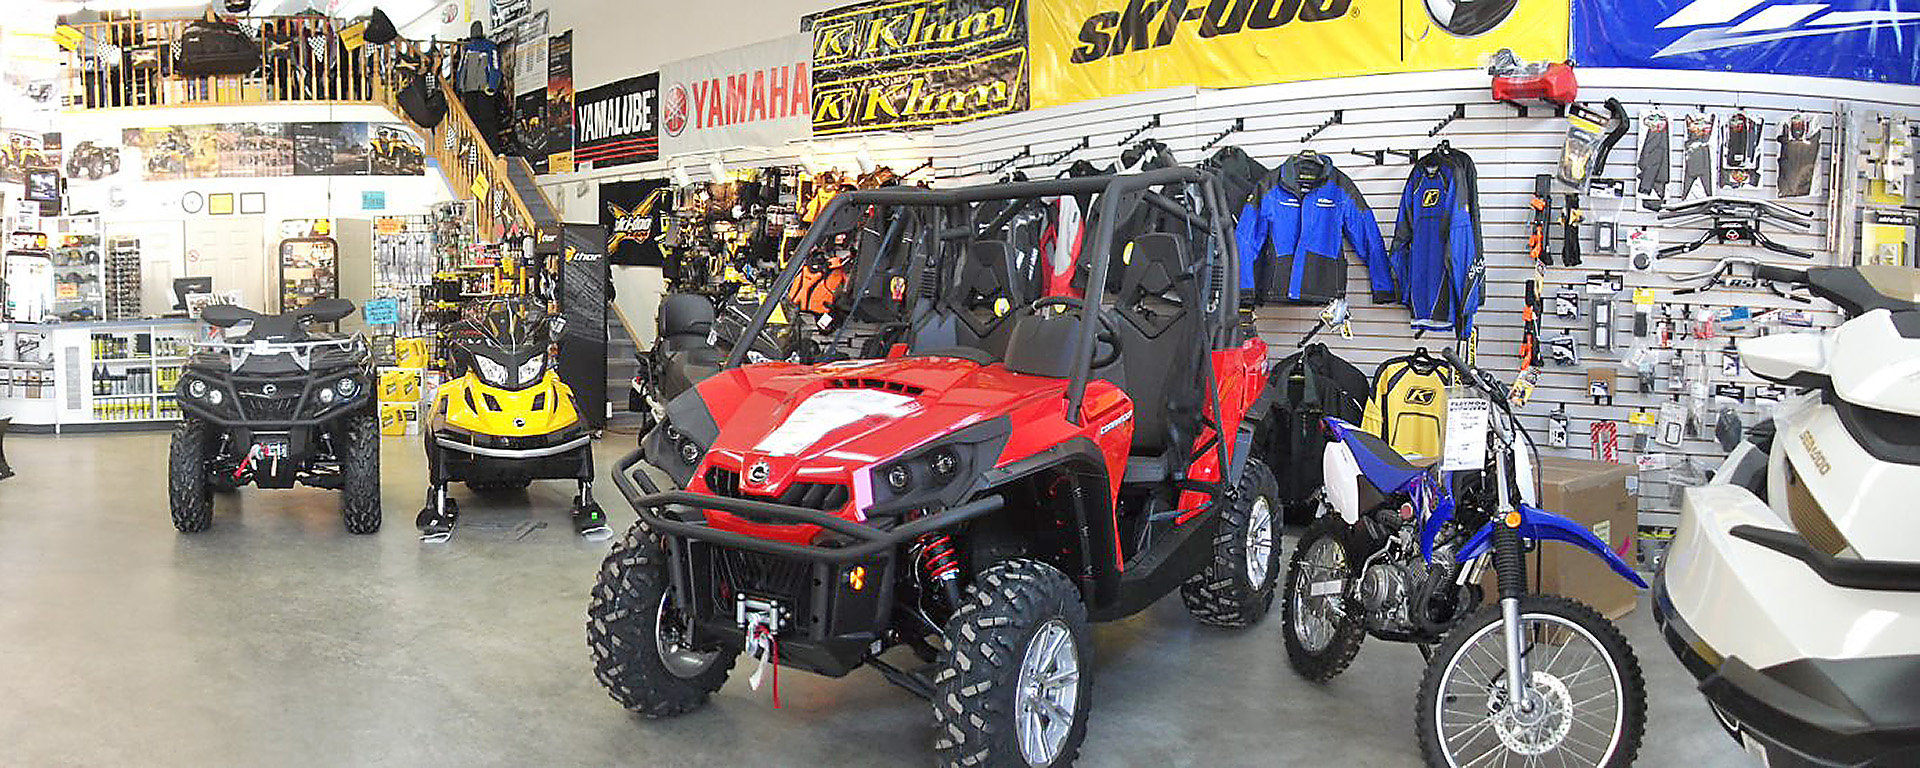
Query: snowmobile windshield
column 507, row 340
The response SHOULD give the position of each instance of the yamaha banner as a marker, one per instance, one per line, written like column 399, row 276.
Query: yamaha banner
column 616, row 123
column 892, row 64
column 1871, row 40
column 635, row 215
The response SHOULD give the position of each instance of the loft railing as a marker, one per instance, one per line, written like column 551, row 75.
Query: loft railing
column 132, row 65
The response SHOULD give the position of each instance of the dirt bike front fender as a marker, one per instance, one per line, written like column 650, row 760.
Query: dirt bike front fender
column 1537, row 524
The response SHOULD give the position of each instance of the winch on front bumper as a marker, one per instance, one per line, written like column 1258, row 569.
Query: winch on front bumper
column 832, row 603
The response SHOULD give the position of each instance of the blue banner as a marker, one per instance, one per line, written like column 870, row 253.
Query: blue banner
column 1871, row 40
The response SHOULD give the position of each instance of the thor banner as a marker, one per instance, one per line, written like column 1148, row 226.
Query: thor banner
column 1085, row 49
column 891, row 64
column 752, row 96
column 1872, row 40
column 615, row 124
column 635, row 215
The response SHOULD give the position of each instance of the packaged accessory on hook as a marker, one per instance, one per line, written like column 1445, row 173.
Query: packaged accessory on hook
column 1655, row 162
column 1590, row 137
column 1740, row 151
column 1799, row 138
column 1697, row 155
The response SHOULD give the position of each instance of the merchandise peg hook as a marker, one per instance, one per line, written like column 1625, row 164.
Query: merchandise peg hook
column 1459, row 111
column 1151, row 124
column 1239, row 124
column 1339, row 116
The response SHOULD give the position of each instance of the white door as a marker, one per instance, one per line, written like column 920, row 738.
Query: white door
column 232, row 250
column 163, row 257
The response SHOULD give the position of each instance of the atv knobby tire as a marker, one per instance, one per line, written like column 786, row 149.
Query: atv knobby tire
column 188, row 494
column 1224, row 594
column 1325, row 663
column 360, row 470
column 974, row 704
column 621, row 616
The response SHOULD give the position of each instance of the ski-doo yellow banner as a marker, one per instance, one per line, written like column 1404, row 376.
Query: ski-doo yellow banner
column 1085, row 49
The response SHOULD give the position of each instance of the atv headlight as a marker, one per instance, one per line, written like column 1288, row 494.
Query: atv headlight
column 197, row 388
column 531, row 370
column 346, row 387
column 491, row 372
column 214, row 396
column 326, row 396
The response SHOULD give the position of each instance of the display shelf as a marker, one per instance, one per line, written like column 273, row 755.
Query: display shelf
column 82, row 362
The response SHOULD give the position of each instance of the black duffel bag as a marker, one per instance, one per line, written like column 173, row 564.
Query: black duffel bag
column 213, row 48
column 422, row 99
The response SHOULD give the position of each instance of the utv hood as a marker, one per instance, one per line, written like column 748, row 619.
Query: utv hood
column 824, row 423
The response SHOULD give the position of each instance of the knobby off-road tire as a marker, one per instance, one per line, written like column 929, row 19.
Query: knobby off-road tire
column 1236, row 589
column 360, row 471
column 976, row 703
column 1607, row 637
column 1321, row 664
column 188, row 495
column 622, row 617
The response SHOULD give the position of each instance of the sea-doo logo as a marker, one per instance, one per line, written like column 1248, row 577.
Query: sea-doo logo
column 1148, row 24
column 1420, row 396
column 1734, row 23
column 758, row 473
column 673, row 110
column 1814, row 452
column 1468, row 18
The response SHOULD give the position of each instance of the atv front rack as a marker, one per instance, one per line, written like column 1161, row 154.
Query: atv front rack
column 656, row 508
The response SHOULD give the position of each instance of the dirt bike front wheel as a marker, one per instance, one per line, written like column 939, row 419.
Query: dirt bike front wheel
column 1586, row 700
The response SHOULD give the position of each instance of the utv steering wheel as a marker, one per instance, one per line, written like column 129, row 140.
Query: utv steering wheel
column 1106, row 336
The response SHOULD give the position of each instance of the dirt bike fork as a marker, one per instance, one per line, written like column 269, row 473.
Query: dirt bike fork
column 1510, row 565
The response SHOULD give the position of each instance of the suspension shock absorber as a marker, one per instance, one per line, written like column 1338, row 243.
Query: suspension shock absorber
column 941, row 565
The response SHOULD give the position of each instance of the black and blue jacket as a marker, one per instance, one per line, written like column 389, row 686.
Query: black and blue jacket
column 1290, row 235
column 1435, row 256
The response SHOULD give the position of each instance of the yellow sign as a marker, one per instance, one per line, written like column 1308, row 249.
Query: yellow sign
column 479, row 186
column 1086, row 49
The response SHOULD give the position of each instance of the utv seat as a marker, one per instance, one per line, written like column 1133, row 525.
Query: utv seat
column 1158, row 332
column 976, row 309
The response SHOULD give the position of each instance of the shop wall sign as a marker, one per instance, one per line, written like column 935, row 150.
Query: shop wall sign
column 635, row 215
column 618, row 123
column 752, row 96
column 560, row 103
column 1085, row 49
column 891, row 64
column 250, row 150
column 1872, row 40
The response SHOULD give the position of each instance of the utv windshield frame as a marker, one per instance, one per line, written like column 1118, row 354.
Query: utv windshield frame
column 1118, row 198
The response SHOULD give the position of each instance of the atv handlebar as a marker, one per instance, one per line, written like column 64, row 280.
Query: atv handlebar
column 651, row 504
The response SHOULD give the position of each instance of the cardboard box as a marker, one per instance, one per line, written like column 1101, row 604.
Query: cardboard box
column 399, row 385
column 1593, row 494
column 410, row 352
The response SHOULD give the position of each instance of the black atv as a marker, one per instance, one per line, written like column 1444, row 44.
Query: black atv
column 93, row 161
column 273, row 404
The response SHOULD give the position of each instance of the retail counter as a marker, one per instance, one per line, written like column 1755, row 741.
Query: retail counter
column 71, row 377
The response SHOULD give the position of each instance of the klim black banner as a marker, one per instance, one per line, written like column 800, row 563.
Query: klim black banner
column 618, row 123
column 892, row 64
column 635, row 215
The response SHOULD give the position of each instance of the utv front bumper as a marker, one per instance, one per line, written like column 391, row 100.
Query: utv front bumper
column 834, row 599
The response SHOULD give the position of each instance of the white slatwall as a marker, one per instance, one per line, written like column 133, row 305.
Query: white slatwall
column 1396, row 111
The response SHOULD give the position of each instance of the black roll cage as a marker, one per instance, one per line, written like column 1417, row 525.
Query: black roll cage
column 1113, row 191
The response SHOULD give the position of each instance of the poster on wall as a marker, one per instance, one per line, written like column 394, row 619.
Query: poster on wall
column 23, row 152
column 530, row 128
column 616, row 124
column 1873, row 40
column 752, row 96
column 560, row 103
column 530, row 54
column 330, row 149
column 1087, row 49
column 887, row 64
column 94, row 156
column 253, row 150
column 636, row 215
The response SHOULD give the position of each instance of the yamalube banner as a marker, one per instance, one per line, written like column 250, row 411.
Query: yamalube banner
column 891, row 64
column 618, row 123
column 1086, row 49
column 752, row 96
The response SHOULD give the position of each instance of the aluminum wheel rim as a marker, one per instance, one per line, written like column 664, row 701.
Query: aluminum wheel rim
column 1576, row 692
column 679, row 658
column 1315, row 616
column 1259, row 542
column 1048, row 692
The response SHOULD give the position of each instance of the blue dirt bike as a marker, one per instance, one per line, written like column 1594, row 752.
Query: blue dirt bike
column 1527, row 679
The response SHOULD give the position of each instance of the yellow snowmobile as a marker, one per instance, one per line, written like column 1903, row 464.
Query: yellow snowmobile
column 505, row 420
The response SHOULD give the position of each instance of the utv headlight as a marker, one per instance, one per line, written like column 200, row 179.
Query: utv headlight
column 491, row 372
column 531, row 370
column 943, row 472
column 326, row 396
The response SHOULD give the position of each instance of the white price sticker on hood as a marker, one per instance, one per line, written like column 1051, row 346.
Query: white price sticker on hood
column 827, row 411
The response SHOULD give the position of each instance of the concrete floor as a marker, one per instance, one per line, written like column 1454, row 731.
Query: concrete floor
column 277, row 639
